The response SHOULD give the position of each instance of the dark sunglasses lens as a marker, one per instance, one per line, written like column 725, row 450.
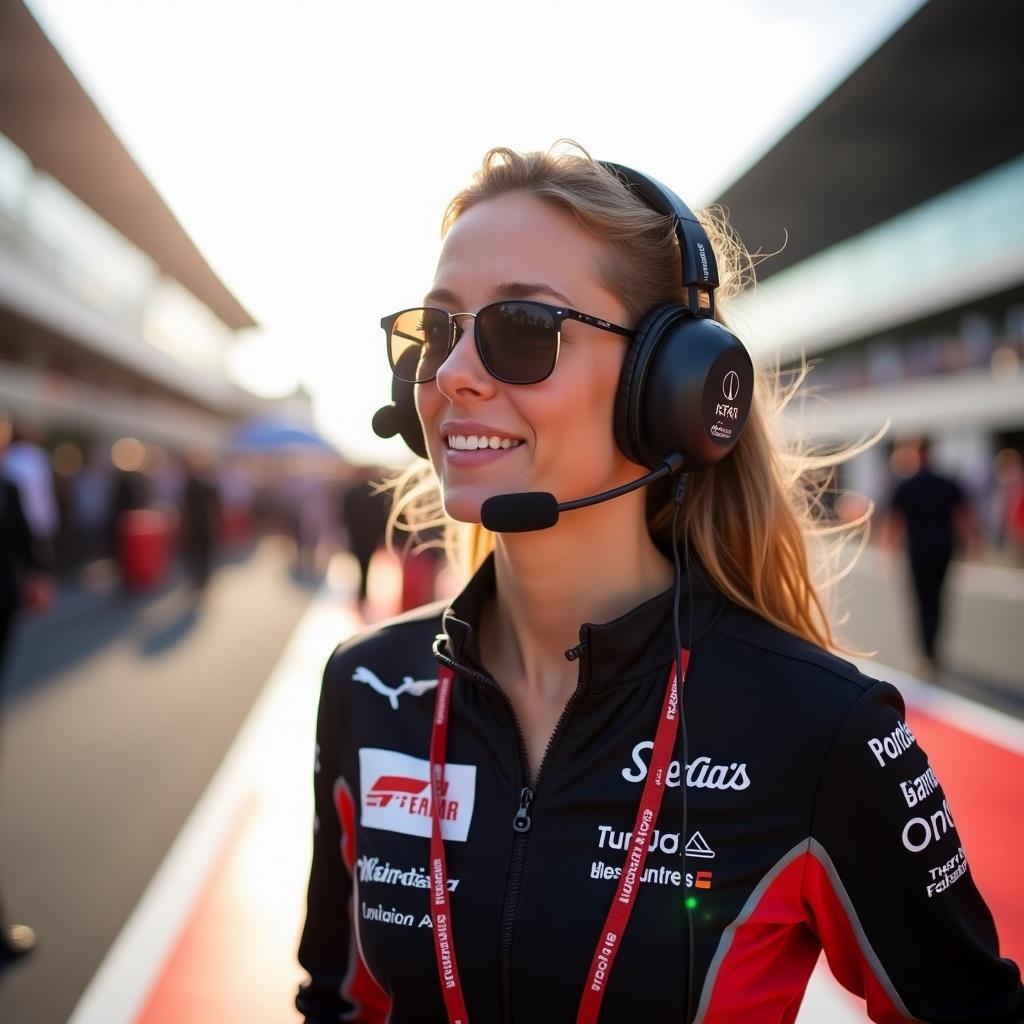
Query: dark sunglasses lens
column 518, row 341
column 418, row 344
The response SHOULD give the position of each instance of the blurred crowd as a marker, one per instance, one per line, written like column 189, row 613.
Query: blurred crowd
column 136, row 507
column 976, row 340
column 91, row 502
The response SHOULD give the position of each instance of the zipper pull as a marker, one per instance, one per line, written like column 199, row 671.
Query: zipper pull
column 574, row 652
column 521, row 822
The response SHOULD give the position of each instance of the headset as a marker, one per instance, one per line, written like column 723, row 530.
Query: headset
column 683, row 398
column 686, row 382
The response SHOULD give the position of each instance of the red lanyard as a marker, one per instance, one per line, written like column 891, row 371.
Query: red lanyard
column 440, row 901
column 629, row 880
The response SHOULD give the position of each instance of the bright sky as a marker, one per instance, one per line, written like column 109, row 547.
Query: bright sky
column 309, row 148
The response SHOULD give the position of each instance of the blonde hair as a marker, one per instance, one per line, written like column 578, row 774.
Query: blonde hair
column 751, row 518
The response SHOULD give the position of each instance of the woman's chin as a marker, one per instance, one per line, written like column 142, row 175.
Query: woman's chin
column 463, row 503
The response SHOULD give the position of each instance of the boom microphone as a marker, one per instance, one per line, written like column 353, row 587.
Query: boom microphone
column 520, row 513
column 539, row 510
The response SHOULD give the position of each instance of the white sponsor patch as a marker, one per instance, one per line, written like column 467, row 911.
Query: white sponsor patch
column 919, row 833
column 892, row 746
column 698, row 847
column 415, row 687
column 700, row 772
column 944, row 875
column 371, row 869
column 395, row 794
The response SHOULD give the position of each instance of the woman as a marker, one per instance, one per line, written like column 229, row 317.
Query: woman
column 567, row 857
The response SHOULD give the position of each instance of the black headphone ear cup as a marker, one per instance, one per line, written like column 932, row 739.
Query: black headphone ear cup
column 400, row 417
column 695, row 394
column 635, row 366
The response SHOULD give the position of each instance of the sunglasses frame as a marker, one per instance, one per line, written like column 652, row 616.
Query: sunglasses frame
column 560, row 313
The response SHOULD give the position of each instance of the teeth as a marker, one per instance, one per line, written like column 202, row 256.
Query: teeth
column 472, row 443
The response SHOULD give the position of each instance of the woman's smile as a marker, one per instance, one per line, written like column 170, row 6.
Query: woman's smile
column 482, row 451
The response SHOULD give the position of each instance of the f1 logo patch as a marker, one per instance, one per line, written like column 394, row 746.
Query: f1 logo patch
column 395, row 794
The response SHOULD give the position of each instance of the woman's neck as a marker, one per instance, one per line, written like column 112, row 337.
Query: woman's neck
column 597, row 564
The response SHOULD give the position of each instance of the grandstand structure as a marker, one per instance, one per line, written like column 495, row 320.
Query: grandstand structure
column 896, row 212
column 111, row 321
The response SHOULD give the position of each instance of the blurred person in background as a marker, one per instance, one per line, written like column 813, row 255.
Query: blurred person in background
column 930, row 517
column 314, row 521
column 200, row 516
column 364, row 511
column 166, row 475
column 90, row 502
column 288, row 486
column 25, row 583
column 479, row 766
column 302, row 502
column 129, row 491
column 237, row 495
column 27, row 464
column 1008, row 503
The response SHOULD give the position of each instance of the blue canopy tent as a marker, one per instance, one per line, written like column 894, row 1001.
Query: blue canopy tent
column 271, row 435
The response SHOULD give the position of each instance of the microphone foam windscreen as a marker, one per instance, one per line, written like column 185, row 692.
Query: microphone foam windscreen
column 519, row 513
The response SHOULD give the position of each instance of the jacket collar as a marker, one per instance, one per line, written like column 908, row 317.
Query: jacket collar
column 618, row 651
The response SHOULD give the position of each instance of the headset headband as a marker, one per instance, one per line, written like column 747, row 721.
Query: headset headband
column 699, row 266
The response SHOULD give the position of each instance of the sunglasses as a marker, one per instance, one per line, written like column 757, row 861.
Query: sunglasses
column 518, row 341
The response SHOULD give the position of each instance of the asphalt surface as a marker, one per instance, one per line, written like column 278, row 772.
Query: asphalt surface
column 982, row 635
column 117, row 710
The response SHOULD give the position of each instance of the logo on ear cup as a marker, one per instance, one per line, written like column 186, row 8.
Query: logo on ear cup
column 728, row 388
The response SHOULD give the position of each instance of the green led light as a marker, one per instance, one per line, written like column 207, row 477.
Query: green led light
column 691, row 903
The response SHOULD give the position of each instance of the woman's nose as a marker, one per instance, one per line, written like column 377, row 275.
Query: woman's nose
column 462, row 374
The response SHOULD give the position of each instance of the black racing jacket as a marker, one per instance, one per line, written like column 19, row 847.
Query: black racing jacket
column 814, row 821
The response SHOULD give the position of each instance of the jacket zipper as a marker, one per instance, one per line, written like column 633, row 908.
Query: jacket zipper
column 521, row 820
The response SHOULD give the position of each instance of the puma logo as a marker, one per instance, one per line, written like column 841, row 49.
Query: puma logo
column 417, row 687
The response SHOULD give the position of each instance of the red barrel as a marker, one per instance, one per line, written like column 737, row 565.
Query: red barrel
column 143, row 548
